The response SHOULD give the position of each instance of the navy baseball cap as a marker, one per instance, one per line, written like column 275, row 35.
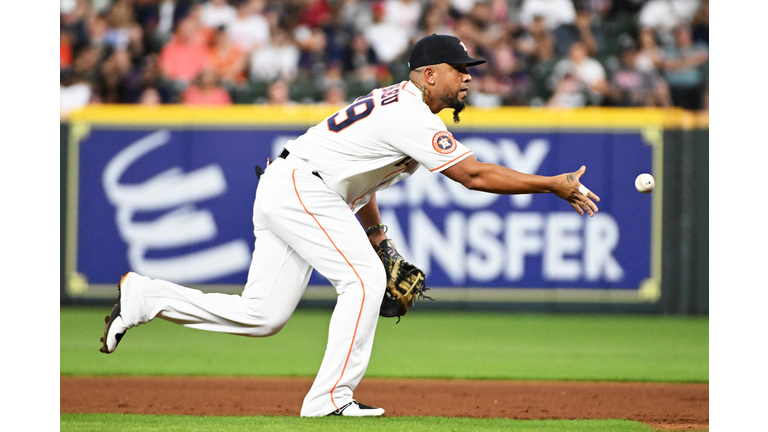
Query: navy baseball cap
column 436, row 49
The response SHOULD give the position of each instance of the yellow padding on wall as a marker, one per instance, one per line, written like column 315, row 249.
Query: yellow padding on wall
column 309, row 115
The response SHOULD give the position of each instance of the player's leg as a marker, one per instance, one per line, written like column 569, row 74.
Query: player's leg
column 331, row 241
column 276, row 280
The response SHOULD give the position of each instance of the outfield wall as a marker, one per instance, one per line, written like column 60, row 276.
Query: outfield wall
column 168, row 192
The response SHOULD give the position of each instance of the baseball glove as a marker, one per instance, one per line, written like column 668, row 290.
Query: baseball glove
column 405, row 282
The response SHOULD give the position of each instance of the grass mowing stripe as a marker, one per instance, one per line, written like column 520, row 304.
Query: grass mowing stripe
column 572, row 347
column 446, row 344
column 147, row 423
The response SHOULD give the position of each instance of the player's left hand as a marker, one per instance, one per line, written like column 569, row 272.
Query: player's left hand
column 569, row 188
column 405, row 282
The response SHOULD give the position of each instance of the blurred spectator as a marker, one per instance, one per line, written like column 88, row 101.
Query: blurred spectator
column 74, row 92
column 632, row 87
column 228, row 60
column 362, row 68
column 150, row 96
column 387, row 39
column 74, row 19
column 462, row 7
column 111, row 87
column 217, row 13
column 355, row 14
column 102, row 6
column 205, row 90
column 613, row 9
column 526, row 39
column 434, row 20
column 404, row 14
column 569, row 93
column 513, row 82
column 686, row 67
column 479, row 27
column 146, row 76
column 333, row 78
column 613, row 18
column 486, row 93
column 584, row 29
column 65, row 50
column 314, row 52
column 86, row 63
column 335, row 95
column 650, row 56
column 278, row 59
column 279, row 93
column 315, row 13
column 118, row 48
column 338, row 34
column 502, row 10
column 251, row 29
column 543, row 61
column 359, row 57
column 185, row 55
column 700, row 23
column 158, row 19
column 554, row 12
column 664, row 15
column 588, row 74
column 98, row 27
column 123, row 32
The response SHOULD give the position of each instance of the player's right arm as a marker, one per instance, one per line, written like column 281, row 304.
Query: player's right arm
column 488, row 177
column 369, row 216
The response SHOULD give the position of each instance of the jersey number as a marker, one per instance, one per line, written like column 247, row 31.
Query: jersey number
column 352, row 115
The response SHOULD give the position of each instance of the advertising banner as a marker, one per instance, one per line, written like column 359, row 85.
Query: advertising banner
column 176, row 204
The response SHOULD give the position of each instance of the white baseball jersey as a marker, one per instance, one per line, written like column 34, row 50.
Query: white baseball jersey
column 376, row 141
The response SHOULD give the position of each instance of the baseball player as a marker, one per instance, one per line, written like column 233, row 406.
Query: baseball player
column 309, row 207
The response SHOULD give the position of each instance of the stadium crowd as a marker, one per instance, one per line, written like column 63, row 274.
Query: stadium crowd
column 557, row 53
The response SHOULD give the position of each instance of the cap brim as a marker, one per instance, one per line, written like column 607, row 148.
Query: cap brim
column 467, row 60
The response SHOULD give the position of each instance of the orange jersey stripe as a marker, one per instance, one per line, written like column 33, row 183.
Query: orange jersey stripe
column 395, row 172
column 451, row 161
column 403, row 88
column 353, row 202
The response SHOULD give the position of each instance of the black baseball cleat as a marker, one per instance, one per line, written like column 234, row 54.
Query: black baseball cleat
column 356, row 409
column 115, row 326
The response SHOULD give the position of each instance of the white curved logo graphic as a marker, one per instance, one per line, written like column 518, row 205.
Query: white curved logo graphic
column 182, row 225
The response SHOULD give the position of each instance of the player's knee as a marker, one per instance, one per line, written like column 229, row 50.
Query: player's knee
column 264, row 329
column 270, row 329
column 263, row 324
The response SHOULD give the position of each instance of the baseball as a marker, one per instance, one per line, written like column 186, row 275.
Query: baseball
column 645, row 183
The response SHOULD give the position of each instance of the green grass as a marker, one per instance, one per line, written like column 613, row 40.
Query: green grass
column 443, row 344
column 142, row 423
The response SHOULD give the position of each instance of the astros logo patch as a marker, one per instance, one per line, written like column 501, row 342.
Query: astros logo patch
column 444, row 142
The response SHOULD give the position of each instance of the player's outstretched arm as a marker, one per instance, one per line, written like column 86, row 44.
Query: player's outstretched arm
column 493, row 178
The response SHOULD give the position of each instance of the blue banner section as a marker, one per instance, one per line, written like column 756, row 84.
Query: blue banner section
column 177, row 205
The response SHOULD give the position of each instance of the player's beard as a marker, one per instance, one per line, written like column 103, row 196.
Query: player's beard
column 457, row 105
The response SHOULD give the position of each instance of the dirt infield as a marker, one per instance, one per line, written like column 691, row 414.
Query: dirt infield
column 678, row 407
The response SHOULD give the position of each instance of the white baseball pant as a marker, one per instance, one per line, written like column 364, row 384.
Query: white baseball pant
column 299, row 224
